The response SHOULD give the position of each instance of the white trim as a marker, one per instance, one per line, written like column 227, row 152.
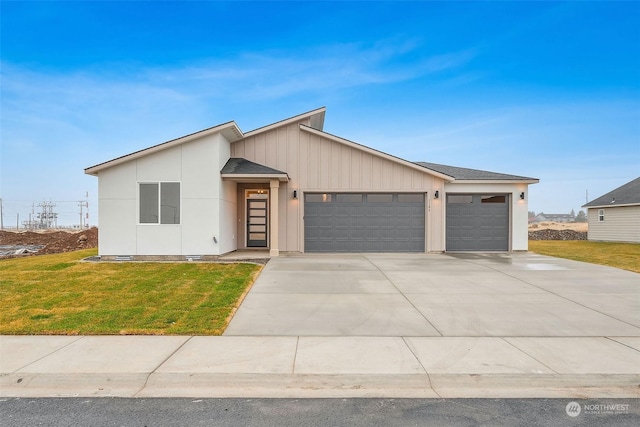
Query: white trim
column 252, row 177
column 288, row 121
column 377, row 153
column 159, row 183
column 229, row 129
column 496, row 181
column 612, row 206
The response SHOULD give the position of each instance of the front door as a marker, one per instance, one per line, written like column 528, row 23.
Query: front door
column 257, row 221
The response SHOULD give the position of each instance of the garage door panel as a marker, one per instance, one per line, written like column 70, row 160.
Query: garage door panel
column 477, row 222
column 384, row 225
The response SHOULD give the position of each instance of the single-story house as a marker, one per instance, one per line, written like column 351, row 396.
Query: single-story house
column 615, row 217
column 292, row 187
column 542, row 217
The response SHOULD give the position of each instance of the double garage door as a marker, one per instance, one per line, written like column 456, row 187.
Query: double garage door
column 477, row 222
column 364, row 222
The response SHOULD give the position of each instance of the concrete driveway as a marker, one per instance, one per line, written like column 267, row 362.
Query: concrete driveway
column 420, row 295
column 377, row 325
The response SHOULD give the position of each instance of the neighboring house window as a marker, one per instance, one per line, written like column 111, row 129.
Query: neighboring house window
column 160, row 203
column 600, row 215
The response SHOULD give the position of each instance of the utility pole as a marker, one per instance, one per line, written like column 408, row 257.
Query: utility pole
column 1, row 217
column 82, row 205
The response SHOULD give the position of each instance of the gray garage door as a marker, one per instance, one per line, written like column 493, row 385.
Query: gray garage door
column 364, row 222
column 477, row 222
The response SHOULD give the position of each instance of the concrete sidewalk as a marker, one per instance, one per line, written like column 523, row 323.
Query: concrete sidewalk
column 375, row 325
column 233, row 366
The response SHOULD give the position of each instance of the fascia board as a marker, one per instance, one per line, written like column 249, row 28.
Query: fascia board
column 610, row 206
column 286, row 122
column 253, row 176
column 376, row 152
column 229, row 129
column 496, row 181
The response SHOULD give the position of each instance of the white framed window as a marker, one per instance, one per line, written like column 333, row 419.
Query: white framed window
column 600, row 215
column 159, row 202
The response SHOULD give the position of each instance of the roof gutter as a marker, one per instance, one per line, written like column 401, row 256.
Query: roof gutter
column 496, row 181
column 621, row 205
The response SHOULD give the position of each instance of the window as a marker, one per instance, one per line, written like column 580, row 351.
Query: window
column 493, row 199
column 160, row 203
column 318, row 198
column 410, row 198
column 600, row 215
column 380, row 198
column 460, row 199
column 349, row 198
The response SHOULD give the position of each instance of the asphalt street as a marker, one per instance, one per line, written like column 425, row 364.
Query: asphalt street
column 98, row 412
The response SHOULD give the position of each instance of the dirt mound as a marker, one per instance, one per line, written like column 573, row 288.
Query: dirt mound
column 53, row 241
column 549, row 234
column 576, row 226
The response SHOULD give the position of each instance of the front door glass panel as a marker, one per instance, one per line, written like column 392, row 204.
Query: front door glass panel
column 257, row 214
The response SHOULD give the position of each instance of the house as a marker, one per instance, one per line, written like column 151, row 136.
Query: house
column 292, row 187
column 615, row 217
column 542, row 217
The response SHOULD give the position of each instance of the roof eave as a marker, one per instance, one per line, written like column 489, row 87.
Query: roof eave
column 316, row 116
column 496, row 181
column 376, row 152
column 229, row 130
column 254, row 177
column 621, row 205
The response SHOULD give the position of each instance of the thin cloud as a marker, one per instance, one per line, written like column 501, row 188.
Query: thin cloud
column 271, row 75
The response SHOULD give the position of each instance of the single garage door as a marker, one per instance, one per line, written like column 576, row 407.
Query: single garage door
column 477, row 222
column 364, row 222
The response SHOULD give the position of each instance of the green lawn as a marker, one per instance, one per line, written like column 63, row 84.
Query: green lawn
column 619, row 255
column 58, row 294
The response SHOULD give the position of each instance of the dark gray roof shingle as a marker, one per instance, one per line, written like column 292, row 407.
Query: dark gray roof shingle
column 240, row 166
column 466, row 174
column 628, row 194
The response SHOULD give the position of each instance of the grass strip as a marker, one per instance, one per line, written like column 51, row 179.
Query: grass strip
column 620, row 255
column 60, row 295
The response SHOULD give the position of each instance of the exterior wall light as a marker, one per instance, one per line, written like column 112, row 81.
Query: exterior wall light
column 522, row 196
column 295, row 194
column 436, row 195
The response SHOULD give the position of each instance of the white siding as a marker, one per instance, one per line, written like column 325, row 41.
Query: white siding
column 621, row 224
column 227, row 207
column 205, row 202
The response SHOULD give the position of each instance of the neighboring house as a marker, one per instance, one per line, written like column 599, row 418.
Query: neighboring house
column 541, row 217
column 615, row 217
column 290, row 186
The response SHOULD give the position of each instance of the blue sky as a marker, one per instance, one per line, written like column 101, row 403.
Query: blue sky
column 542, row 89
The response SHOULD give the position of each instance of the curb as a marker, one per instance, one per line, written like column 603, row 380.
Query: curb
column 321, row 386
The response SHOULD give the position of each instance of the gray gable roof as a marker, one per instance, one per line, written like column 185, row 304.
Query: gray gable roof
column 240, row 166
column 628, row 194
column 465, row 174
